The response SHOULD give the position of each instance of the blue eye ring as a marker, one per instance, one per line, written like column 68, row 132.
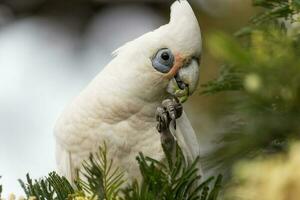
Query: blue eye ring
column 163, row 60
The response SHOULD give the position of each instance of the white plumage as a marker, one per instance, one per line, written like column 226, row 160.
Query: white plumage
column 119, row 105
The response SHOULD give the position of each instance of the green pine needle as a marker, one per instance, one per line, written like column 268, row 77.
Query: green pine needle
column 180, row 181
column 101, row 180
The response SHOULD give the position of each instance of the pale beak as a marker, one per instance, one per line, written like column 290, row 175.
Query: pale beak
column 185, row 80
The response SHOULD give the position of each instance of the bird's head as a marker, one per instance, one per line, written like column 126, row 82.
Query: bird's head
column 183, row 52
column 169, row 56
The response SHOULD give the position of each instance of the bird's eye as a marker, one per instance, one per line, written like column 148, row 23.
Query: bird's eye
column 163, row 60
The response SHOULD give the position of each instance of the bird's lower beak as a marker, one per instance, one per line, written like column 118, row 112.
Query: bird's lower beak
column 185, row 81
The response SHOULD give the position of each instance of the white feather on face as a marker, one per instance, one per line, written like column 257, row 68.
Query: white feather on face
column 119, row 105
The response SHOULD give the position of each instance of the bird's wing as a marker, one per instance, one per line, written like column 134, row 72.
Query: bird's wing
column 187, row 138
column 74, row 142
column 64, row 163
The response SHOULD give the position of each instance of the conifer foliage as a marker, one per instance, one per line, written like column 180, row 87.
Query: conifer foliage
column 261, row 78
column 102, row 180
column 0, row 189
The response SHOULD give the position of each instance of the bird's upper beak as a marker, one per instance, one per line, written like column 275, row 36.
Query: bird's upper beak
column 184, row 77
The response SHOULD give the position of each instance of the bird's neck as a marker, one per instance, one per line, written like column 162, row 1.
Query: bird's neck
column 113, row 102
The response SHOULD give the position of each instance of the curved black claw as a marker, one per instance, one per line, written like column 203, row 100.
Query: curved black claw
column 162, row 119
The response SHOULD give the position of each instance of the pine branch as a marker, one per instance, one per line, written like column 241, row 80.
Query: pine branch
column 53, row 187
column 229, row 80
column 275, row 10
column 171, row 182
column 101, row 178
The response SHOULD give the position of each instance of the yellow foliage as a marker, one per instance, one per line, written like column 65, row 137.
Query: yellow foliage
column 275, row 178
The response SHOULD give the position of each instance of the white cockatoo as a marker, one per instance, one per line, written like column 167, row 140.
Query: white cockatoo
column 118, row 107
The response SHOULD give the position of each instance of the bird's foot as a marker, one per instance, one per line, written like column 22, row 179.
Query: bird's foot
column 169, row 111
